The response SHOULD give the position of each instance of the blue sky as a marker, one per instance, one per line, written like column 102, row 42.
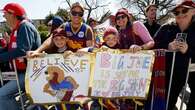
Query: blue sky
column 34, row 8
column 37, row 9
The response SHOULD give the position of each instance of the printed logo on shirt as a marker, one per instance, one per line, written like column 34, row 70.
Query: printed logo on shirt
column 81, row 34
column 14, row 45
column 15, row 33
column 74, row 44
column 68, row 33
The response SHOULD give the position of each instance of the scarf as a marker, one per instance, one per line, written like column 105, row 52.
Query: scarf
column 20, row 62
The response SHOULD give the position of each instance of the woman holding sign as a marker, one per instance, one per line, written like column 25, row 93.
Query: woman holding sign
column 133, row 35
column 179, row 36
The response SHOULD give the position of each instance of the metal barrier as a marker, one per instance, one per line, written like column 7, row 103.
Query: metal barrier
column 170, row 81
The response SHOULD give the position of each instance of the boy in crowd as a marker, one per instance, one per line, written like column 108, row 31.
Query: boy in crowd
column 60, row 40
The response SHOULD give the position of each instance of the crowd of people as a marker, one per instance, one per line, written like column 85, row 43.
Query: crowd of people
column 123, row 33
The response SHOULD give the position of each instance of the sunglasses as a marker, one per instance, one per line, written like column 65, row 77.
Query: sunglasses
column 74, row 13
column 184, row 11
column 121, row 17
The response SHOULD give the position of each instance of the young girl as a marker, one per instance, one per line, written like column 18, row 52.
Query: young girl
column 60, row 40
column 111, row 38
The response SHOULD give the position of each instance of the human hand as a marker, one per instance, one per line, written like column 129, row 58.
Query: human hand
column 32, row 54
column 135, row 48
column 173, row 46
column 67, row 53
column 182, row 47
column 80, row 53
column 7, row 37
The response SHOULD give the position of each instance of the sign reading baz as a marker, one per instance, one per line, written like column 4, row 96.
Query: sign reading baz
column 122, row 75
column 53, row 79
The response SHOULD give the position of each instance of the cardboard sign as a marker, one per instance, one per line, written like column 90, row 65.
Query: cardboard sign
column 53, row 79
column 99, row 31
column 122, row 75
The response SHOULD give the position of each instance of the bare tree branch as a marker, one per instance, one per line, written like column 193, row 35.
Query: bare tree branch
column 92, row 6
column 164, row 7
column 68, row 2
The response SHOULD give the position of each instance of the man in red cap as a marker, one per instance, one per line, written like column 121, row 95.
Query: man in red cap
column 24, row 37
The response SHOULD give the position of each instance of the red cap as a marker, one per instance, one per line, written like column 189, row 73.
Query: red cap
column 185, row 4
column 110, row 30
column 123, row 11
column 59, row 32
column 15, row 9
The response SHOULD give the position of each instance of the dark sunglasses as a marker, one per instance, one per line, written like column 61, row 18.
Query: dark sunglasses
column 184, row 11
column 74, row 13
column 121, row 17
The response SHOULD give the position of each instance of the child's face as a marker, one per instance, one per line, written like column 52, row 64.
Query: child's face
column 60, row 41
column 111, row 40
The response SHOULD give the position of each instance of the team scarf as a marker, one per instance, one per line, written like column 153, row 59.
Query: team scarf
column 20, row 61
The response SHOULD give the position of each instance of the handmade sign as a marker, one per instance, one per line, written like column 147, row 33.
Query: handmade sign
column 99, row 31
column 52, row 79
column 122, row 74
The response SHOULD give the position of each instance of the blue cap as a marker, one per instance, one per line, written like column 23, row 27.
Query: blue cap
column 57, row 21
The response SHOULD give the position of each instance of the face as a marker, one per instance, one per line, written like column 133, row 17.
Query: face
column 76, row 15
column 112, row 21
column 111, row 40
column 60, row 41
column 9, row 19
column 183, row 15
column 121, row 20
column 151, row 14
column 93, row 24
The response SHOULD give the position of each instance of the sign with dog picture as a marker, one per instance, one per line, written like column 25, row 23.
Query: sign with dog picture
column 53, row 78
column 122, row 74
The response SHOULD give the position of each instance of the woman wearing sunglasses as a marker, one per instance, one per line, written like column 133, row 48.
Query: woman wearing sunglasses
column 133, row 35
column 166, row 38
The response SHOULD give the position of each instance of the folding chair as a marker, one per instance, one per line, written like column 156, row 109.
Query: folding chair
column 12, row 75
column 191, row 68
